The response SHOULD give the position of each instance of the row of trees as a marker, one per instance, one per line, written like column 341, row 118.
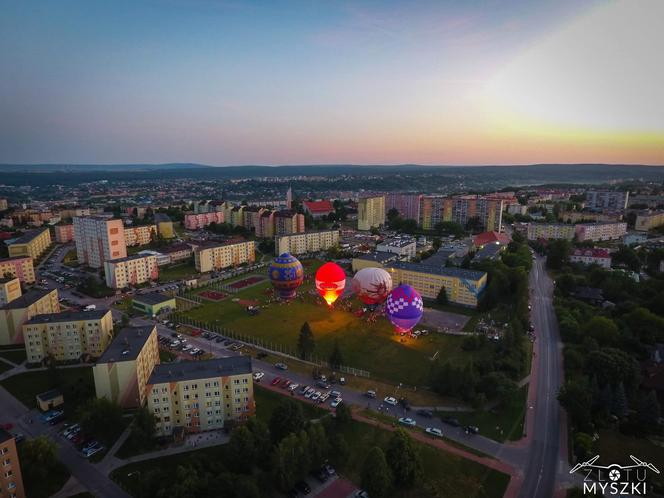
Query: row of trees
column 306, row 345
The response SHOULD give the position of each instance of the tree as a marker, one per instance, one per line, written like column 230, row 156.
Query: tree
column 442, row 296
column 241, row 446
column 619, row 405
column 101, row 417
column 583, row 445
column 38, row 458
column 576, row 398
column 603, row 330
column 404, row 459
column 291, row 460
column 339, row 449
column 287, row 418
column 558, row 253
column 343, row 414
column 261, row 438
column 143, row 428
column 647, row 412
column 376, row 474
column 318, row 444
column 305, row 343
column 336, row 358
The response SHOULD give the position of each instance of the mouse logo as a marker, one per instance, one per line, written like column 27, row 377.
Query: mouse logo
column 615, row 479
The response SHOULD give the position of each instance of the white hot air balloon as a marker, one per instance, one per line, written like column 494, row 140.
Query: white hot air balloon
column 372, row 285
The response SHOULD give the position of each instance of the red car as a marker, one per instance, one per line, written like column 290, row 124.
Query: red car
column 196, row 333
column 275, row 381
column 7, row 427
column 285, row 384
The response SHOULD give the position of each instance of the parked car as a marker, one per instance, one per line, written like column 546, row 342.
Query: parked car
column 293, row 387
column 390, row 401
column 433, row 431
column 335, row 402
column 310, row 392
column 303, row 390
column 451, row 421
column 285, row 383
column 425, row 413
column 281, row 366
column 407, row 421
column 370, row 394
column 315, row 396
column 275, row 381
column 329, row 470
column 472, row 429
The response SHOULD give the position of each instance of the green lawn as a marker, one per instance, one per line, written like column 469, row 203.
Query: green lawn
column 504, row 423
column 17, row 357
column 177, row 272
column 369, row 346
column 444, row 474
column 266, row 402
column 76, row 384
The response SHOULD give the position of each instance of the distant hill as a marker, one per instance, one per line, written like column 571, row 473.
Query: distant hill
column 484, row 176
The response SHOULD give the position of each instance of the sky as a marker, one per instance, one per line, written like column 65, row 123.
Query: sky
column 324, row 82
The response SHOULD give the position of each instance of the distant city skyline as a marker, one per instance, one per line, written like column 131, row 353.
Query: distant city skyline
column 226, row 83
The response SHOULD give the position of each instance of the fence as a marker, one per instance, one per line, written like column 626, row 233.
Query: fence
column 267, row 346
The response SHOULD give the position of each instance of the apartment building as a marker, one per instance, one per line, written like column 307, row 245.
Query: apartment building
column 370, row 212
column 593, row 256
column 164, row 226
column 11, row 479
column 131, row 270
column 20, row 267
column 606, row 199
column 99, row 239
column 201, row 395
column 178, row 252
column 200, row 220
column 67, row 336
column 307, row 242
column 288, row 221
column 600, row 231
column 431, row 211
column 251, row 216
column 122, row 371
column 215, row 256
column 31, row 244
column 10, row 289
column 549, row 231
column 140, row 235
column 487, row 210
column 647, row 220
column 3, row 204
column 64, row 233
column 463, row 287
column 15, row 313
column 265, row 227
column 408, row 205
column 404, row 247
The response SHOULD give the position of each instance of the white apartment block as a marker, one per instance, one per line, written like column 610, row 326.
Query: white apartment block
column 600, row 231
column 307, row 242
column 140, row 235
column 98, row 239
column 212, row 257
column 132, row 270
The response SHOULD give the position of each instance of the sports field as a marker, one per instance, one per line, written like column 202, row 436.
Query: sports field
column 364, row 344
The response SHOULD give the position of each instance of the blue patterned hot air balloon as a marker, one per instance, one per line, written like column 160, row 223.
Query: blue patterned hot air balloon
column 404, row 307
column 286, row 274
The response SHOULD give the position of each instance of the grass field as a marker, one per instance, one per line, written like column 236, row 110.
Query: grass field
column 368, row 346
column 76, row 384
column 503, row 423
column 444, row 474
column 17, row 357
column 177, row 272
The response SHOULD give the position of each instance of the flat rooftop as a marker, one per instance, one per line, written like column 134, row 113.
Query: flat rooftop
column 27, row 299
column 29, row 236
column 397, row 242
column 193, row 370
column 435, row 270
column 127, row 344
column 152, row 298
column 68, row 316
column 379, row 256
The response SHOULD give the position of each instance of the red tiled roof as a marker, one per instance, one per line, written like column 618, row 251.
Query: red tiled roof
column 318, row 206
column 487, row 237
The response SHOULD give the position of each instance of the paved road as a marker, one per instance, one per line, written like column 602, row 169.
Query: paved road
column 544, row 450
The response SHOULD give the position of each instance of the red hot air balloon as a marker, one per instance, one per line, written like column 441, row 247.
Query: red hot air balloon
column 330, row 282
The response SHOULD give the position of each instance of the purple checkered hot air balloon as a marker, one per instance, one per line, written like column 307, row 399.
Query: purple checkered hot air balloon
column 404, row 307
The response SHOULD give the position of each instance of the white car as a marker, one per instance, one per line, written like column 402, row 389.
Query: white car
column 258, row 376
column 315, row 396
column 433, row 431
column 292, row 387
column 335, row 402
column 407, row 421
column 390, row 401
column 309, row 393
column 193, row 351
column 187, row 347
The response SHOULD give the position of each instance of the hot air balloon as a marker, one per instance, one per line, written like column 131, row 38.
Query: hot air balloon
column 404, row 307
column 286, row 274
column 330, row 282
column 372, row 285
